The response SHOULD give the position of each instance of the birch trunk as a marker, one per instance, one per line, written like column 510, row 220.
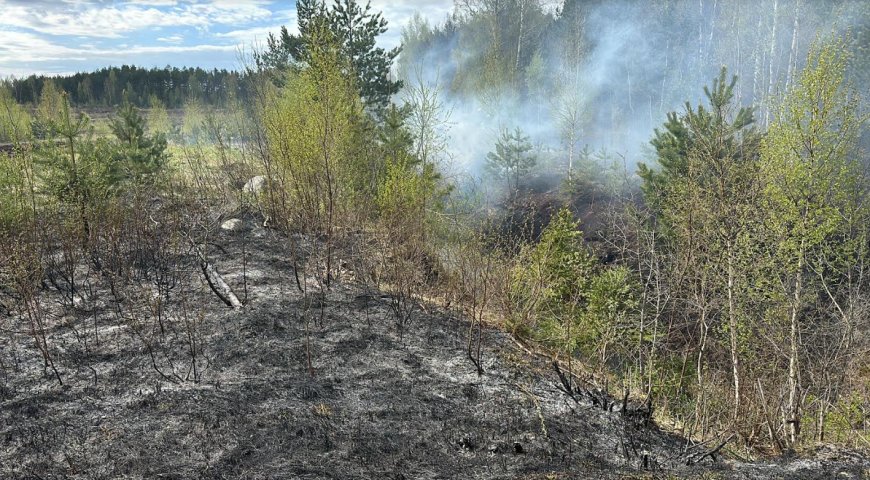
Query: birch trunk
column 732, row 327
column 770, row 63
column 793, row 416
column 520, row 41
column 792, row 55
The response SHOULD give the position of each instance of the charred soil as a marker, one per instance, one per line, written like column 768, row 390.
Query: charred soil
column 376, row 402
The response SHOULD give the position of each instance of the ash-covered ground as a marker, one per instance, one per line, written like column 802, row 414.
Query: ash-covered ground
column 376, row 404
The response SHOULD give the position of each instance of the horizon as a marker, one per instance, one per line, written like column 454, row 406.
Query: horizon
column 46, row 37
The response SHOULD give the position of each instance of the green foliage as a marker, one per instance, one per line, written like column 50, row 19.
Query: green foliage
column 173, row 86
column 594, row 173
column 809, row 162
column 356, row 29
column 511, row 161
column 417, row 36
column 563, row 258
column 550, row 282
column 403, row 193
column 193, row 125
column 138, row 157
column 536, row 74
column 83, row 171
column 765, row 237
column 65, row 178
column 814, row 193
column 612, row 295
column 15, row 120
column 411, row 187
column 500, row 39
column 49, row 111
column 313, row 126
column 15, row 191
column 689, row 143
column 563, row 298
column 75, row 172
column 158, row 117
column 705, row 198
column 403, row 190
column 396, row 141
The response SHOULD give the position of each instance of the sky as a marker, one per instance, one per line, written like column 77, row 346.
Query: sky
column 68, row 36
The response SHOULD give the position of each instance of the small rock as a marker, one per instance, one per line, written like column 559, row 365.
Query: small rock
column 232, row 225
column 466, row 444
column 255, row 184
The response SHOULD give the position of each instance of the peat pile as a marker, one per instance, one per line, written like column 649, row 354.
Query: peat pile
column 376, row 405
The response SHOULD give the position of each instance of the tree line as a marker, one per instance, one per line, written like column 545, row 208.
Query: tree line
column 172, row 86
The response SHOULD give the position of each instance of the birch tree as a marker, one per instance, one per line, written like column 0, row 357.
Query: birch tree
column 811, row 172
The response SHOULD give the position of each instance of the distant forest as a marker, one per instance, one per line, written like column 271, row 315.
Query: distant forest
column 173, row 86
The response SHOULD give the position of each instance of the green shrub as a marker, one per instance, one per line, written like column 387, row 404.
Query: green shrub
column 563, row 298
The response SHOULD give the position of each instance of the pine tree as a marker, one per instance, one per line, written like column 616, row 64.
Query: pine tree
column 356, row 28
column 551, row 282
column 15, row 120
column 705, row 196
column 511, row 161
column 684, row 133
column 138, row 157
column 396, row 141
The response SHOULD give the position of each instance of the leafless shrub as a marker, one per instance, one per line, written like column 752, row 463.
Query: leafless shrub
column 23, row 271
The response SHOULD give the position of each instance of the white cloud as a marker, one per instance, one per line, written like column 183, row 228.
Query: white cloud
column 257, row 35
column 231, row 12
column 26, row 47
column 252, row 35
column 154, row 3
column 20, row 48
column 23, row 72
column 53, row 36
column 110, row 21
column 171, row 39
column 144, row 50
column 106, row 22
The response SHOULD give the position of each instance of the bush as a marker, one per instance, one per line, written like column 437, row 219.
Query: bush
column 562, row 297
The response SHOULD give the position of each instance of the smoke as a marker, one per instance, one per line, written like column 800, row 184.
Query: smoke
column 615, row 68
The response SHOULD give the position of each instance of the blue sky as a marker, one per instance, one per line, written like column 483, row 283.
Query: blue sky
column 67, row 36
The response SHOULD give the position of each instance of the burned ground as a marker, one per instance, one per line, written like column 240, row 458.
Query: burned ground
column 378, row 403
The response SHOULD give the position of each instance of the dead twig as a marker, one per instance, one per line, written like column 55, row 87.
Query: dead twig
column 710, row 453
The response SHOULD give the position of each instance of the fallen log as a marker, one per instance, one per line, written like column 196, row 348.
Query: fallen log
column 214, row 279
column 219, row 286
